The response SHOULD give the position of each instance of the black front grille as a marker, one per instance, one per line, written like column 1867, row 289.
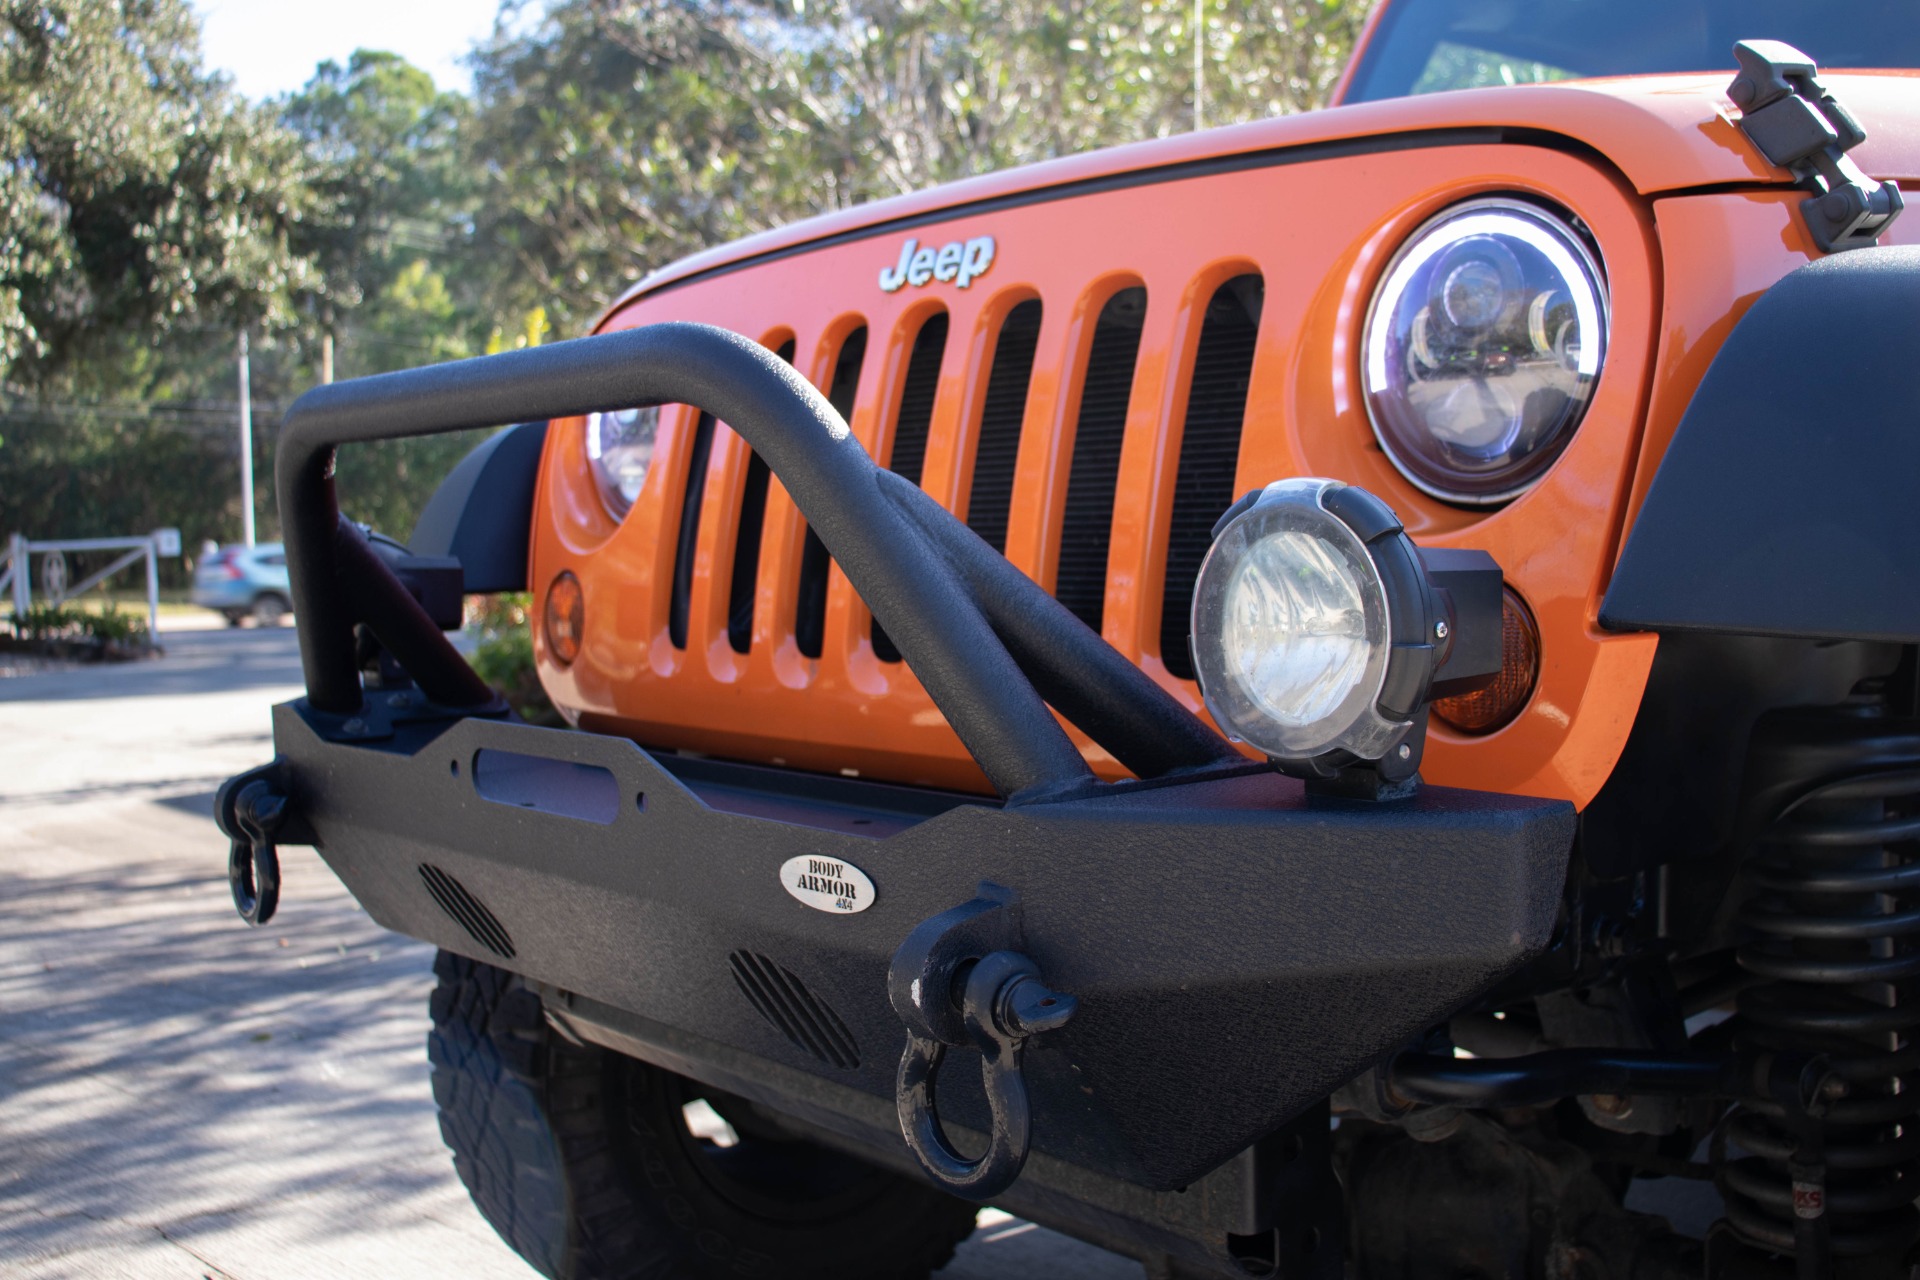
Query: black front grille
column 746, row 548
column 1003, row 411
column 1087, row 525
column 746, row 554
column 810, row 615
column 1209, row 453
column 689, row 531
column 912, row 425
column 778, row 995
column 915, row 419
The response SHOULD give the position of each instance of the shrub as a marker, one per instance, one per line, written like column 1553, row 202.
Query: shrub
column 61, row 622
column 503, row 654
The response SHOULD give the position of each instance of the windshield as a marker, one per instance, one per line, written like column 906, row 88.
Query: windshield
column 1424, row 46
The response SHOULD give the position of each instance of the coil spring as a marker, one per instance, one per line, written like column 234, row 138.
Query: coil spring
column 1834, row 879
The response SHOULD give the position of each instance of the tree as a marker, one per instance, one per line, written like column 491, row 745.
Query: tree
column 617, row 135
column 145, row 213
column 392, row 209
column 136, row 192
column 389, row 183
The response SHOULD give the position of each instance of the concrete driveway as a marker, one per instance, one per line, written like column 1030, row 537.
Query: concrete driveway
column 182, row 1096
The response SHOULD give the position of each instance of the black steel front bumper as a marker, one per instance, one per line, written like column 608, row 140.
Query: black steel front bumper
column 1238, row 948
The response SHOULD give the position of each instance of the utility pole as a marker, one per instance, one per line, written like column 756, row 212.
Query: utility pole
column 246, row 445
column 1199, row 65
column 326, row 355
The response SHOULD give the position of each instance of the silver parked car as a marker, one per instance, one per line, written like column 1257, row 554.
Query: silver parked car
column 242, row 582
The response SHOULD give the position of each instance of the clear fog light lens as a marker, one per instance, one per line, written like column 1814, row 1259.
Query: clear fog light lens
column 620, row 450
column 1482, row 348
column 1296, row 629
column 1291, row 630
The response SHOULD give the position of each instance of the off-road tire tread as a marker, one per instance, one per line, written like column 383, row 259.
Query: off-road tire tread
column 522, row 1110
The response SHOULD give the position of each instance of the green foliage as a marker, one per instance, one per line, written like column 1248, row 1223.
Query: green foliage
column 618, row 135
column 385, row 484
column 393, row 197
column 147, row 214
column 503, row 654
column 54, row 623
column 135, row 190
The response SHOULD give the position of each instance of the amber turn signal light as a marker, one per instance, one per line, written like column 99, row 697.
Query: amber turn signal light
column 566, row 617
column 1495, row 706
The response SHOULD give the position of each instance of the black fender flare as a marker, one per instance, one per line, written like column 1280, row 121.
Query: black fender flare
column 1788, row 503
column 482, row 513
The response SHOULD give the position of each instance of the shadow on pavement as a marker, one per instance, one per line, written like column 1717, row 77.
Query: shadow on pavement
column 195, row 662
column 162, row 1063
column 181, row 1096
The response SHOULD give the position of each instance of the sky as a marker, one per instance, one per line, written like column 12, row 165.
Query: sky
column 271, row 47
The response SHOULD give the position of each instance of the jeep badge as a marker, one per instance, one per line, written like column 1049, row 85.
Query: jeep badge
column 955, row 262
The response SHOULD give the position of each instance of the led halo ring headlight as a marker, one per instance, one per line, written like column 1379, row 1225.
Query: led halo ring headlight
column 1482, row 346
column 619, row 448
column 1317, row 629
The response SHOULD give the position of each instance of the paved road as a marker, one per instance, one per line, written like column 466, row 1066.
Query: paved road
column 181, row 1096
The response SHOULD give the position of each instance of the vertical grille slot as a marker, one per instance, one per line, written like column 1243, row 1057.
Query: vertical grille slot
column 1002, row 414
column 810, row 616
column 689, row 531
column 909, row 454
column 746, row 547
column 1209, row 452
column 1087, row 526
column 915, row 419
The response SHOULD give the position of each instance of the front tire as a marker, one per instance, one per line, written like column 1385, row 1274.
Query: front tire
column 268, row 610
column 583, row 1160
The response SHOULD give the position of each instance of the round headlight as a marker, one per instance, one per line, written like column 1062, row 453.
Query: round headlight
column 620, row 449
column 1292, row 625
column 1482, row 348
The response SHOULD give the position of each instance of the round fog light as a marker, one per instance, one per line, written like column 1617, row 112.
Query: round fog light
column 1293, row 622
column 566, row 618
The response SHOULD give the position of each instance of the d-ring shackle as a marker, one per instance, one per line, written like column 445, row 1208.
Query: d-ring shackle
column 951, row 994
column 251, row 810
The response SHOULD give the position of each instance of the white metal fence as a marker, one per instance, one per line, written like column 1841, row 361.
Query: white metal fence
column 57, row 590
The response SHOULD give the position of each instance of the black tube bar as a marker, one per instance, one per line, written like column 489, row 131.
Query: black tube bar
column 1560, row 1073
column 1086, row 679
column 379, row 600
column 917, row 595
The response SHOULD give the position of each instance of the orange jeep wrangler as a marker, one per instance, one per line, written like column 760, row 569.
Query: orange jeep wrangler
column 1333, row 696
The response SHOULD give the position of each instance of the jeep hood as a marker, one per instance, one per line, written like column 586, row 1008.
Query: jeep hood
column 1661, row 133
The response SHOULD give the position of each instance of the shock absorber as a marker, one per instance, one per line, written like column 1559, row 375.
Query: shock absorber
column 1833, row 881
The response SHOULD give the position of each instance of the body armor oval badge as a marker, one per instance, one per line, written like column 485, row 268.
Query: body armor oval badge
column 827, row 884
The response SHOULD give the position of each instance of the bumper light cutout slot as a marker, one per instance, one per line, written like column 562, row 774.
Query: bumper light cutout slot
column 550, row 786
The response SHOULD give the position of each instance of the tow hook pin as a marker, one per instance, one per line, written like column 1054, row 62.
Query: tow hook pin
column 1029, row 1008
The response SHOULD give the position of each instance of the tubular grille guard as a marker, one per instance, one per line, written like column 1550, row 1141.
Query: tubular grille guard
column 990, row 646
